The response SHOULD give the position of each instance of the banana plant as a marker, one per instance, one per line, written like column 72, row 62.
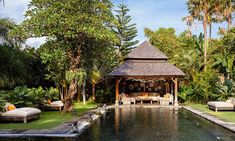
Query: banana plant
column 225, row 64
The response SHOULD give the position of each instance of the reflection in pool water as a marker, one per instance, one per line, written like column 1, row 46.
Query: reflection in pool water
column 154, row 124
column 148, row 124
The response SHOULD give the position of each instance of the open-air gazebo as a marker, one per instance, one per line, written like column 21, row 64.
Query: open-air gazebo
column 146, row 70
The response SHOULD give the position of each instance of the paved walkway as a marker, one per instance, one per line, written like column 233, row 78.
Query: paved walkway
column 66, row 129
column 228, row 125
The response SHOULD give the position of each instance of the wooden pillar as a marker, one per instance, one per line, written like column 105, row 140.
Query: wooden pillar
column 117, row 93
column 172, row 87
column 167, row 87
column 176, row 92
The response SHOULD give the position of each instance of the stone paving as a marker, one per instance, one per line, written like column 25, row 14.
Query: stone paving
column 67, row 129
column 228, row 125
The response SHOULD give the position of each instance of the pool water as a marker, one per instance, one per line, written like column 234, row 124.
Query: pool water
column 146, row 124
column 154, row 124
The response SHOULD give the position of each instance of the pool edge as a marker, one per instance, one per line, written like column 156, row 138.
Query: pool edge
column 227, row 125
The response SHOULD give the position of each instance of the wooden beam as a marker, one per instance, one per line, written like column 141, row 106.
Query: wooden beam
column 117, row 93
column 176, row 92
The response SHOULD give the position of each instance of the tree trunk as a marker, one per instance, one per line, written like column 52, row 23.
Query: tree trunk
column 205, row 42
column 229, row 22
column 68, row 102
column 79, row 93
column 93, row 92
column 84, row 92
column 210, row 30
column 61, row 90
column 68, row 106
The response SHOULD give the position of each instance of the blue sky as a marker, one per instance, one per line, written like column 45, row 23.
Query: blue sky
column 145, row 13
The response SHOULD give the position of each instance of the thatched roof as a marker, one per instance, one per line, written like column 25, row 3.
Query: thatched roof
column 146, row 68
column 146, row 60
column 146, row 51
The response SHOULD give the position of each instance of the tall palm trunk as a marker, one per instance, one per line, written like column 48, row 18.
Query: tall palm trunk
column 205, row 42
column 79, row 93
column 93, row 91
column 84, row 92
column 229, row 20
column 210, row 30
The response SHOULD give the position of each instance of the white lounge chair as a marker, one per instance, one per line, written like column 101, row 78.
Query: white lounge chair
column 20, row 114
column 54, row 105
column 221, row 105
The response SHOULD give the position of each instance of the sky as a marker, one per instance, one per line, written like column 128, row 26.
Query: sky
column 152, row 14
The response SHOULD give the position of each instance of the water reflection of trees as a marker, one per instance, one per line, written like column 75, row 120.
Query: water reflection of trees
column 141, row 122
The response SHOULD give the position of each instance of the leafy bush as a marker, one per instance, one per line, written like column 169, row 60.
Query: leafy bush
column 225, row 90
column 29, row 97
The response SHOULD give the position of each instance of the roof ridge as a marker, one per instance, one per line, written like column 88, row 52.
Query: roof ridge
column 146, row 51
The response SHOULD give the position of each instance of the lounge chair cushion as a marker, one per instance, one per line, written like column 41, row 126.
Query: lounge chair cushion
column 55, row 104
column 11, row 107
column 220, row 104
column 21, row 112
column 49, row 101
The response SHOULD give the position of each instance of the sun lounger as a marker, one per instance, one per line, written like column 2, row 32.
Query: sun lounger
column 20, row 114
column 221, row 105
column 54, row 105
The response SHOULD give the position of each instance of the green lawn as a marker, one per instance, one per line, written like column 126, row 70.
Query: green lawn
column 224, row 115
column 50, row 119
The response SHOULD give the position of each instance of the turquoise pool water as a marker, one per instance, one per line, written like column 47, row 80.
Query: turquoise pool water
column 154, row 124
column 147, row 124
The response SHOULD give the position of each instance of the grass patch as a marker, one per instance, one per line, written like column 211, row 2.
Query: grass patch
column 228, row 116
column 50, row 119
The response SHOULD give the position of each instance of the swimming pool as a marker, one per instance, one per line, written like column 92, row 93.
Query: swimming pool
column 146, row 124
column 154, row 124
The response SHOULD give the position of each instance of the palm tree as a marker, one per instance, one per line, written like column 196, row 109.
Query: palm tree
column 203, row 11
column 3, row 2
column 7, row 25
column 227, row 10
column 189, row 22
column 96, row 76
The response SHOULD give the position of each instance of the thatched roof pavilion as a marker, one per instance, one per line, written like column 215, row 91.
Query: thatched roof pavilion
column 147, row 62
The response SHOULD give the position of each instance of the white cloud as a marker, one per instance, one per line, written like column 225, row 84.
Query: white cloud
column 14, row 9
column 35, row 42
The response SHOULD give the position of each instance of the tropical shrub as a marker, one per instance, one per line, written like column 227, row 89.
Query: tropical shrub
column 225, row 90
column 29, row 97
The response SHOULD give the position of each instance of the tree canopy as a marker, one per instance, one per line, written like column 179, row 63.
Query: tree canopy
column 125, row 31
column 72, row 27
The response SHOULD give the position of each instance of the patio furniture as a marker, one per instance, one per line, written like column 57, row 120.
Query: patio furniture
column 155, row 98
column 58, row 105
column 166, row 100
column 20, row 114
column 142, row 99
column 126, row 101
column 221, row 105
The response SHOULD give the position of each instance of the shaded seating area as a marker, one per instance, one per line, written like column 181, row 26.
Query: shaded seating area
column 228, row 105
column 146, row 98
column 14, row 114
column 146, row 77
column 55, row 105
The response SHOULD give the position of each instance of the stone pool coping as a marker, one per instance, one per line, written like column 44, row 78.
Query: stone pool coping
column 227, row 125
column 65, row 129
column 143, row 106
